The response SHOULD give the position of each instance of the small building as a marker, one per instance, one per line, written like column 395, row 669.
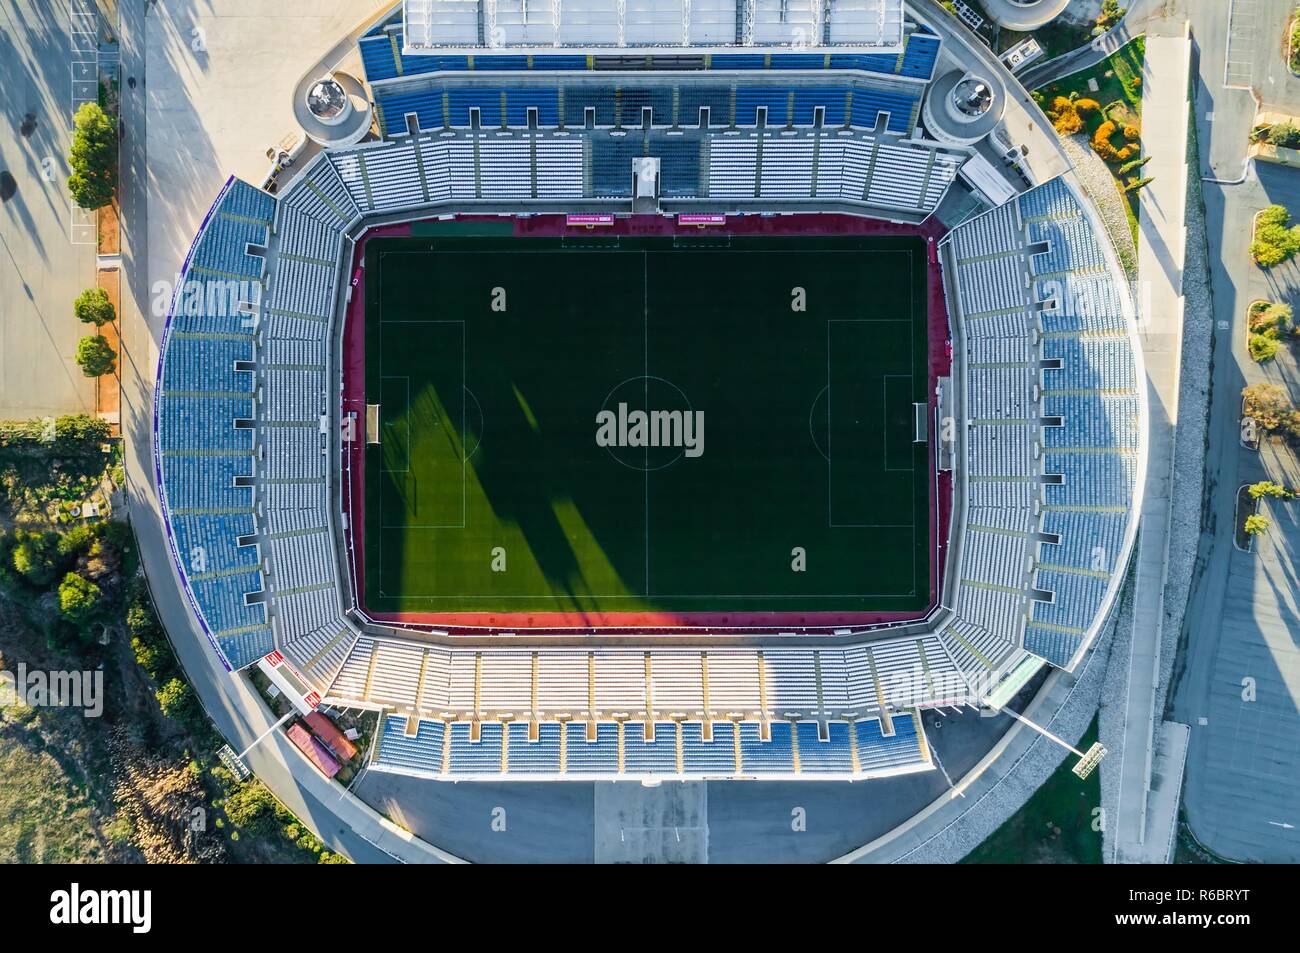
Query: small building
column 315, row 751
column 328, row 732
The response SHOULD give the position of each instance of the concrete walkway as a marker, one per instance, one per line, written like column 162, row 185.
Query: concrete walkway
column 1162, row 233
column 341, row 820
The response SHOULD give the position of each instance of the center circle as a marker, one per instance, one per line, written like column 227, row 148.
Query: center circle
column 645, row 423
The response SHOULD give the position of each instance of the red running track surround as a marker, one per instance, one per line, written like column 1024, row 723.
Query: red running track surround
column 636, row 623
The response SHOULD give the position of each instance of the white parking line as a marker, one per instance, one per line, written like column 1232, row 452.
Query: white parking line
column 82, row 227
column 83, row 22
column 1238, row 59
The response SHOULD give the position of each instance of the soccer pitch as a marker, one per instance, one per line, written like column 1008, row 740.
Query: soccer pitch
column 602, row 425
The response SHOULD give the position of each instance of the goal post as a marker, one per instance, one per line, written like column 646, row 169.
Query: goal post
column 372, row 423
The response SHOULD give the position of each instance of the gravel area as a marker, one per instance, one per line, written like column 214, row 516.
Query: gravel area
column 1190, row 438
column 1100, row 185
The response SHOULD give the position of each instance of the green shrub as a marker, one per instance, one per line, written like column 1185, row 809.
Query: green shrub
column 176, row 699
column 1275, row 239
column 36, row 556
column 80, row 600
column 1273, row 215
column 93, row 307
column 1270, row 489
column 1284, row 134
column 95, row 356
column 1269, row 319
column 252, row 807
column 1262, row 348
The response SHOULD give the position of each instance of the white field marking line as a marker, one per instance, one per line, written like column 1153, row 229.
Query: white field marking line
column 702, row 595
column 464, row 458
column 830, row 519
column 645, row 373
column 925, row 377
column 464, row 433
column 379, row 303
column 705, row 596
column 884, row 419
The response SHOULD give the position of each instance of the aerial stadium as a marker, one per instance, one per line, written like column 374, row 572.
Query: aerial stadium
column 654, row 390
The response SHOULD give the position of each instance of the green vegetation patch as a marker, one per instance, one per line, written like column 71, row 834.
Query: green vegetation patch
column 1111, row 116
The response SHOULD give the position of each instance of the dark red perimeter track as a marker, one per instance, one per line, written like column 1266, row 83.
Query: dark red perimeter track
column 632, row 623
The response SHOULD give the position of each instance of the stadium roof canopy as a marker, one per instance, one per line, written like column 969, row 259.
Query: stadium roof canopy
column 601, row 26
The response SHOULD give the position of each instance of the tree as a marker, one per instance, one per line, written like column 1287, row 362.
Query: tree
column 1134, row 165
column 93, row 157
column 1270, row 489
column 93, row 307
column 95, row 356
column 251, row 806
column 1110, row 14
column 77, row 541
column 147, row 655
column 176, row 699
column 1256, row 524
column 1273, row 215
column 79, row 598
column 36, row 556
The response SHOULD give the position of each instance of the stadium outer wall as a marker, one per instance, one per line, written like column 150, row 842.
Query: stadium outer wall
column 352, row 479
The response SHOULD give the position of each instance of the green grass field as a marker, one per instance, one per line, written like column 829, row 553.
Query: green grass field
column 491, row 359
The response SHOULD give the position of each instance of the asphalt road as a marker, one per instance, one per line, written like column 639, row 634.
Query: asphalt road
column 730, row 822
column 1094, row 52
column 41, row 271
column 1229, row 805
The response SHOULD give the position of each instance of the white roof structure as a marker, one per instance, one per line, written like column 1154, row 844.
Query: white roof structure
column 602, row 26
